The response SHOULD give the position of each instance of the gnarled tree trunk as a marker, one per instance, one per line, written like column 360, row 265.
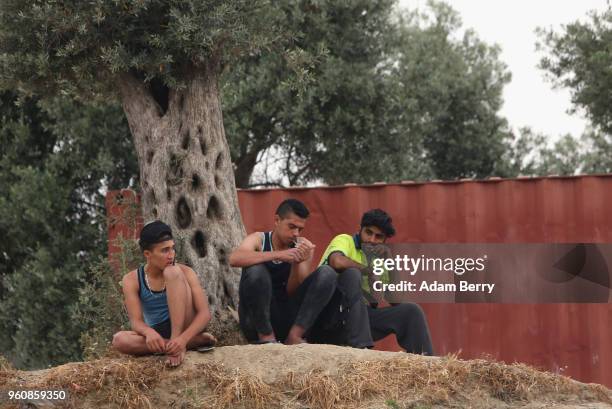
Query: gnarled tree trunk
column 187, row 179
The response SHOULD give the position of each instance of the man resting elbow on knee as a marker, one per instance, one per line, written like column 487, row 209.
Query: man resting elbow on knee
column 280, row 296
column 166, row 305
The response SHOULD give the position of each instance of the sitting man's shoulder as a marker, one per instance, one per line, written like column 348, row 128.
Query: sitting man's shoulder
column 185, row 268
column 131, row 277
column 253, row 241
column 342, row 239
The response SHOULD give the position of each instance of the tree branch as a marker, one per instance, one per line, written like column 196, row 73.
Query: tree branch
column 136, row 97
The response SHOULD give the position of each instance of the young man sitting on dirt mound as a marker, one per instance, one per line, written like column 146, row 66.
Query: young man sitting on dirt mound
column 167, row 307
column 280, row 296
column 349, row 256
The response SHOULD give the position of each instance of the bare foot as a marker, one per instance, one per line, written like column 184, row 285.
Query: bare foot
column 295, row 336
column 295, row 340
column 208, row 338
column 202, row 339
column 175, row 360
column 263, row 338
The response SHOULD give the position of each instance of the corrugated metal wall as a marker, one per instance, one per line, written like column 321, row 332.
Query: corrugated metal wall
column 574, row 339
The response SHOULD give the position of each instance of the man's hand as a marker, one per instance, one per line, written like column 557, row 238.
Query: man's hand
column 288, row 256
column 176, row 345
column 305, row 249
column 376, row 251
column 155, row 342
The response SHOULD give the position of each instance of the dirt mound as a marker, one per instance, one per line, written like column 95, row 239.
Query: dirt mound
column 307, row 376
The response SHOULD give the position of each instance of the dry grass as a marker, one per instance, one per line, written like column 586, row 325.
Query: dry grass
column 405, row 379
column 123, row 383
column 236, row 387
column 6, row 371
column 316, row 388
column 413, row 378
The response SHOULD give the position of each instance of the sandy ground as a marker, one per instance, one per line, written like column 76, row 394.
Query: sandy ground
column 237, row 376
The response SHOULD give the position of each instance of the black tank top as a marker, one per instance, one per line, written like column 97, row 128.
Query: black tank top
column 279, row 270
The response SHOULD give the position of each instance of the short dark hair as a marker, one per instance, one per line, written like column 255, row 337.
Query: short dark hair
column 292, row 206
column 152, row 233
column 378, row 218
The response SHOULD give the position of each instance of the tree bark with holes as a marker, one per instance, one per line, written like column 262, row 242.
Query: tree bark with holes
column 187, row 180
column 162, row 59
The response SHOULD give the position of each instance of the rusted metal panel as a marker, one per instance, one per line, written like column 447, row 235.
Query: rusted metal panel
column 573, row 339
column 124, row 218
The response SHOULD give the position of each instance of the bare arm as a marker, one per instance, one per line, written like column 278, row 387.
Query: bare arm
column 302, row 269
column 340, row 262
column 249, row 253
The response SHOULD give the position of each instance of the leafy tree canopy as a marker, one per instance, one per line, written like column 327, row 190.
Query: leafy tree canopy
column 58, row 159
column 80, row 46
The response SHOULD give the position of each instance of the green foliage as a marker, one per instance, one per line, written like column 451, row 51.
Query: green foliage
column 37, row 311
column 58, row 158
column 532, row 155
column 451, row 91
column 579, row 58
column 597, row 153
column 100, row 310
column 75, row 46
column 343, row 113
column 392, row 404
column 392, row 98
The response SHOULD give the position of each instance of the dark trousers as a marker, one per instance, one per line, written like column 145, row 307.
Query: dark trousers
column 366, row 324
column 407, row 321
column 357, row 328
column 263, row 310
column 344, row 321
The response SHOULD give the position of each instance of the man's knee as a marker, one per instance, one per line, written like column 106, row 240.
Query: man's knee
column 172, row 273
column 325, row 275
column 349, row 280
column 256, row 276
column 352, row 273
column 120, row 340
column 411, row 312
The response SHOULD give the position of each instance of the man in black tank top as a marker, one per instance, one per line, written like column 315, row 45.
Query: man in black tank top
column 280, row 296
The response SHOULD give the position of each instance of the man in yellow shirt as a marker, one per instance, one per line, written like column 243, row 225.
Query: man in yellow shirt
column 349, row 255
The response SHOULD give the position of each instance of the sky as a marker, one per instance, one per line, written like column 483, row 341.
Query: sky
column 529, row 99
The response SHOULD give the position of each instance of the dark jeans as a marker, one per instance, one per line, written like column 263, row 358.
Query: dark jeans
column 262, row 310
column 366, row 324
column 356, row 332
column 407, row 321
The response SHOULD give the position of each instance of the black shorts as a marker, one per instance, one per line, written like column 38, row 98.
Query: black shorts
column 163, row 328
